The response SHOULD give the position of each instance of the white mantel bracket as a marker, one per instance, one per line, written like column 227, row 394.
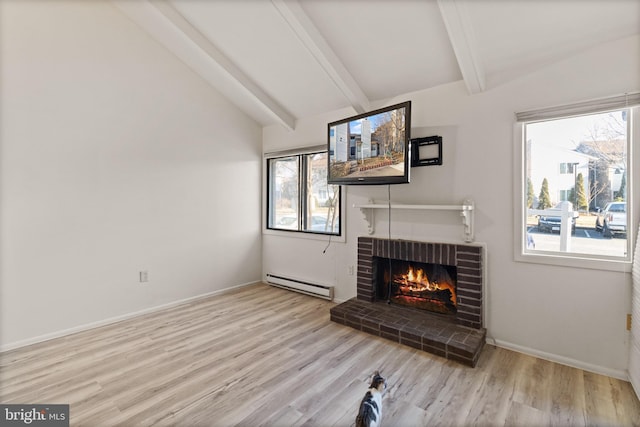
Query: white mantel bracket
column 466, row 212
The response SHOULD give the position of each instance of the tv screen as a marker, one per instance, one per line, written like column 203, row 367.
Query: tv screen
column 371, row 148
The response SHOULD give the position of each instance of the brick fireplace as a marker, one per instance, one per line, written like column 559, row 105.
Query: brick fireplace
column 457, row 336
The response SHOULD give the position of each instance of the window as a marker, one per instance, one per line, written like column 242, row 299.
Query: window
column 567, row 167
column 299, row 198
column 574, row 211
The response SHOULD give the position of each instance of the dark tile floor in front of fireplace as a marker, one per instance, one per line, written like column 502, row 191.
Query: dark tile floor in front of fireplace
column 419, row 329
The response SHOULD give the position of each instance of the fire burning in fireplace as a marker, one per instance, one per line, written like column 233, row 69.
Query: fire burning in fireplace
column 426, row 286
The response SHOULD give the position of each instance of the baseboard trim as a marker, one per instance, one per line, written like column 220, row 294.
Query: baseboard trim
column 597, row 369
column 116, row 319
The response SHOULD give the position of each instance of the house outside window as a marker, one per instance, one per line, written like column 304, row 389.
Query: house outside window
column 575, row 171
column 298, row 196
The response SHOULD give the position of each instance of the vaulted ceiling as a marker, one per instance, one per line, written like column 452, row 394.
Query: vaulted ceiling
column 281, row 60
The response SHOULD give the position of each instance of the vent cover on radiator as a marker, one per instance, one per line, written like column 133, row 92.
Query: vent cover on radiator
column 302, row 286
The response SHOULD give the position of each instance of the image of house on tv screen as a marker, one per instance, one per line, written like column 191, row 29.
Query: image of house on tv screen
column 371, row 146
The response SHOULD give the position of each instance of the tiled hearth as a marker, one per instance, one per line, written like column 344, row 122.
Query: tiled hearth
column 457, row 337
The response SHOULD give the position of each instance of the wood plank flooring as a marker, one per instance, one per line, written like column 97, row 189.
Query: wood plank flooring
column 265, row 356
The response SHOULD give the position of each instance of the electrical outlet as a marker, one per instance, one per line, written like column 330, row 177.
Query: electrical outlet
column 144, row 276
column 351, row 270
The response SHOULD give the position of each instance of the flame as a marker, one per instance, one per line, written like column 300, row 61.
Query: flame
column 416, row 280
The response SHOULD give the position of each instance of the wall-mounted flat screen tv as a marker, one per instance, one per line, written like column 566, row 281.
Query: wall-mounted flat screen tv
column 371, row 148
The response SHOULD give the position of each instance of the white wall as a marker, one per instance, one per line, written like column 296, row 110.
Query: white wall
column 116, row 158
column 572, row 315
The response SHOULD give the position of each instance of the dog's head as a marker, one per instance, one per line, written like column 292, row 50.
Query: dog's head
column 378, row 382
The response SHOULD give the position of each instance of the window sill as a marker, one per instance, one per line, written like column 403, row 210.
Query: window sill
column 574, row 260
column 304, row 235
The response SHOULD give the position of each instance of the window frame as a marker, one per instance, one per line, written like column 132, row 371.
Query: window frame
column 572, row 259
column 303, row 172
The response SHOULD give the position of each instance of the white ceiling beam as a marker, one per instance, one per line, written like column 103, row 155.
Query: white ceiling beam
column 457, row 21
column 171, row 29
column 317, row 46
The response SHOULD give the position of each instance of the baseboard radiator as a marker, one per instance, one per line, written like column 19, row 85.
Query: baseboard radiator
column 302, row 286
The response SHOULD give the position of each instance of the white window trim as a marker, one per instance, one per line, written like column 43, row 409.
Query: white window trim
column 598, row 262
column 299, row 234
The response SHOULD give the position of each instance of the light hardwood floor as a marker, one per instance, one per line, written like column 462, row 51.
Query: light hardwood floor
column 265, row 356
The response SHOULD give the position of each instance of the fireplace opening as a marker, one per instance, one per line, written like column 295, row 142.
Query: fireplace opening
column 425, row 286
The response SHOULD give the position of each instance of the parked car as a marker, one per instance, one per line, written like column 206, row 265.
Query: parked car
column 613, row 219
column 287, row 222
column 550, row 223
column 319, row 223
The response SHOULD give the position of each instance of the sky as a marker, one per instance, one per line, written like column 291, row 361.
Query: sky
column 565, row 133
column 355, row 126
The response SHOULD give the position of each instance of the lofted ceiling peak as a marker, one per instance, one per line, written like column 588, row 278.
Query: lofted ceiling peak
column 282, row 60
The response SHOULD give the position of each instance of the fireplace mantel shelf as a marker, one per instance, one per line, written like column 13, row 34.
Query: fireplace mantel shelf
column 466, row 212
